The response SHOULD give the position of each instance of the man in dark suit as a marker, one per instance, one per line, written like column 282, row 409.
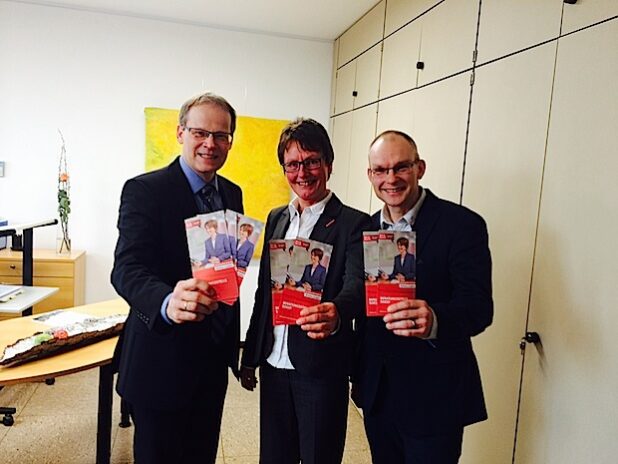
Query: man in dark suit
column 217, row 246
column 244, row 253
column 418, row 380
column 314, row 274
column 304, row 367
column 178, row 340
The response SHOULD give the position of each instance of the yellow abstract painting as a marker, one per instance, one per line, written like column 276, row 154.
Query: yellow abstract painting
column 252, row 162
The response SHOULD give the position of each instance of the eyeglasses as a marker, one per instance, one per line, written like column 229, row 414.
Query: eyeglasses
column 400, row 169
column 201, row 134
column 309, row 164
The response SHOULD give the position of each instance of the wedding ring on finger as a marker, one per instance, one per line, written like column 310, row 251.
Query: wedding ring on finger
column 413, row 324
column 184, row 308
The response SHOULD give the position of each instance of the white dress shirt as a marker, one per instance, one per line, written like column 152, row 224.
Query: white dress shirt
column 301, row 226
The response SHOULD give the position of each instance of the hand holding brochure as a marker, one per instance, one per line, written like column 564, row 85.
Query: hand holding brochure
column 394, row 279
column 304, row 280
column 213, row 249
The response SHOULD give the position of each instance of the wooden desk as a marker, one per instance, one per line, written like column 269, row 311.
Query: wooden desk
column 96, row 355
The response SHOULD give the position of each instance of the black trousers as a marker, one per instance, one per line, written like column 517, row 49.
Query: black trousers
column 190, row 435
column 393, row 441
column 302, row 418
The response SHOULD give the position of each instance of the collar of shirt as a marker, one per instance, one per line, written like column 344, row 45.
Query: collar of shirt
column 195, row 181
column 406, row 222
column 301, row 225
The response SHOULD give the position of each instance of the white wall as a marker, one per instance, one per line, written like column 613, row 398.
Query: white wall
column 91, row 75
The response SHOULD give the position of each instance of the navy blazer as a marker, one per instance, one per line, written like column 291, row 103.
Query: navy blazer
column 316, row 280
column 244, row 253
column 407, row 269
column 342, row 227
column 160, row 364
column 453, row 274
column 221, row 248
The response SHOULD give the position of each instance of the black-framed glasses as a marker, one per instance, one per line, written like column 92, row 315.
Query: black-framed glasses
column 309, row 164
column 202, row 134
column 399, row 169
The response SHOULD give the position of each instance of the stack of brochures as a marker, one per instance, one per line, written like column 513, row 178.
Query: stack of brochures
column 221, row 245
column 8, row 292
column 298, row 269
column 390, row 269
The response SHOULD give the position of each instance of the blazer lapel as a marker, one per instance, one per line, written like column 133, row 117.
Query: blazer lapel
column 181, row 191
column 282, row 224
column 325, row 226
column 426, row 220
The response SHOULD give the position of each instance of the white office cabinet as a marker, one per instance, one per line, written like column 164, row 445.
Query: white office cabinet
column 447, row 39
column 440, row 115
column 367, row 80
column 363, row 132
column 399, row 12
column 364, row 34
column 510, row 25
column 587, row 12
column 569, row 404
column 341, row 139
column 397, row 113
column 358, row 82
column 399, row 58
column 333, row 83
column 344, row 88
column 502, row 182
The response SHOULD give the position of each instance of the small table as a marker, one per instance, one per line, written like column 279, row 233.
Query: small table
column 95, row 355
column 20, row 304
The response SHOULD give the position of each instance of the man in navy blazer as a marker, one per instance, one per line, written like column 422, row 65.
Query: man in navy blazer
column 244, row 253
column 417, row 379
column 178, row 339
column 217, row 245
column 314, row 274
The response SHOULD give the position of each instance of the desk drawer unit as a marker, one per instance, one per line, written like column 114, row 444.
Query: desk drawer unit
column 66, row 272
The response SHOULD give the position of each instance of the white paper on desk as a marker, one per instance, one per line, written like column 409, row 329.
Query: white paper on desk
column 9, row 291
column 61, row 318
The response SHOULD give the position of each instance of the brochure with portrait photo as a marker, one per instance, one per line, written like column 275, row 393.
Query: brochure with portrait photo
column 211, row 255
column 397, row 272
column 249, row 231
column 371, row 258
column 280, row 258
column 305, row 281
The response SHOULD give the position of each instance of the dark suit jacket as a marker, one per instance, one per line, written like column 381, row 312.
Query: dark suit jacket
column 316, row 280
column 160, row 364
column 408, row 269
column 439, row 382
column 244, row 254
column 221, row 248
column 341, row 227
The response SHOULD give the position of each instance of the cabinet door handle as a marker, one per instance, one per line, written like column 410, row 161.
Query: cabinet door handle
column 12, row 266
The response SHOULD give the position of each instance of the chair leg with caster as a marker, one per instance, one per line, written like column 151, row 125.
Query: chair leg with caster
column 8, row 419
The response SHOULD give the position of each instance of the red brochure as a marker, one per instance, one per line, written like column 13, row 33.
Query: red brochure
column 279, row 265
column 371, row 257
column 249, row 231
column 210, row 254
column 397, row 273
column 305, row 279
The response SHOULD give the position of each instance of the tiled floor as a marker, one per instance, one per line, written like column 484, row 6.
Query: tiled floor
column 57, row 425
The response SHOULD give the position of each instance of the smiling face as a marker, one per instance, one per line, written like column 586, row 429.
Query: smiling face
column 398, row 191
column 207, row 156
column 309, row 185
column 402, row 249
